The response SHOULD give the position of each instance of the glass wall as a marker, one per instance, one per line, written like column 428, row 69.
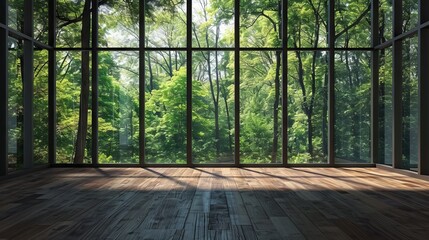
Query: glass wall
column 260, row 107
column 118, row 110
column 410, row 104
column 119, row 24
column 385, row 20
column 256, row 92
column 213, row 107
column 40, row 102
column 353, row 23
column 15, row 105
column 386, row 106
column 74, row 119
column 166, row 100
column 353, row 107
column 308, row 107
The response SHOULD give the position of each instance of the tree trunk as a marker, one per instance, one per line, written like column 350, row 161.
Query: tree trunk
column 276, row 109
column 149, row 64
column 228, row 117
column 325, row 114
column 84, row 94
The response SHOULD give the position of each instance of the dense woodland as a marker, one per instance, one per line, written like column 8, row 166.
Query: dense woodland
column 213, row 73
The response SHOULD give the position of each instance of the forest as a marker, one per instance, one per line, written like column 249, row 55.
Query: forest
column 214, row 104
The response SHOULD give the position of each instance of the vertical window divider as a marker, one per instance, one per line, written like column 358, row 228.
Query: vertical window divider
column 189, row 162
column 142, row 83
column 52, row 85
column 28, row 86
column 397, row 85
column 4, row 82
column 331, row 84
column 375, row 65
column 237, row 82
column 284, row 84
column 423, row 133
column 94, row 72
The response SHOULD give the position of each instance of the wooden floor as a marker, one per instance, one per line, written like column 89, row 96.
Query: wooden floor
column 214, row 203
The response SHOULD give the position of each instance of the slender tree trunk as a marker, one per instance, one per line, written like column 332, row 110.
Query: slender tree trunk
column 228, row 117
column 216, row 105
column 131, row 132
column 20, row 115
column 84, row 94
column 325, row 114
column 150, row 72
column 382, row 114
column 276, row 109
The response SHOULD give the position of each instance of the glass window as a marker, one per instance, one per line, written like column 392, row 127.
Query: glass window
column 40, row 106
column 307, row 107
column 41, row 19
column 352, row 23
column 260, row 107
column 166, row 103
column 352, row 107
column 410, row 110
column 165, row 26
column 260, row 23
column 307, row 23
column 212, row 23
column 73, row 23
column 15, row 104
column 385, row 20
column 16, row 14
column 410, row 14
column 213, row 107
column 118, row 113
column 385, row 106
column 119, row 24
column 74, row 107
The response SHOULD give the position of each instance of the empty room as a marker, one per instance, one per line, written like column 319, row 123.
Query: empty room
column 214, row 119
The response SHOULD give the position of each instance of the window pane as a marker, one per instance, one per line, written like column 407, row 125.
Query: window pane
column 386, row 107
column 41, row 19
column 165, row 116
column 410, row 128
column 118, row 100
column 166, row 24
column 15, row 104
column 410, row 14
column 40, row 106
column 73, row 93
column 73, row 23
column 260, row 23
column 16, row 14
column 307, row 107
column 213, row 107
column 352, row 107
column 212, row 23
column 307, row 21
column 260, row 107
column 385, row 20
column 353, row 23
column 119, row 24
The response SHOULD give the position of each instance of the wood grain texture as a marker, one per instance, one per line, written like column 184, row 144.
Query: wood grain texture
column 214, row 203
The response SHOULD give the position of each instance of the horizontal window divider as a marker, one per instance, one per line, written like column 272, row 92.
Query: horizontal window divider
column 21, row 36
column 402, row 36
column 425, row 25
column 210, row 49
column 276, row 165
